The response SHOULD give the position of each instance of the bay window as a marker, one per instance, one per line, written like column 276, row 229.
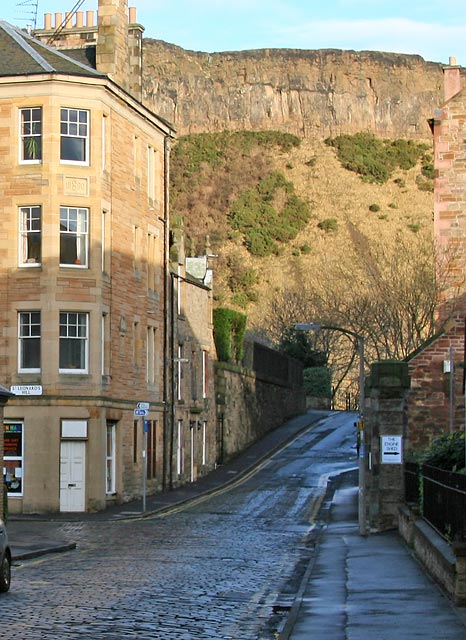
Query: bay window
column 74, row 232
column 30, row 240
column 30, row 135
column 74, row 342
column 74, row 136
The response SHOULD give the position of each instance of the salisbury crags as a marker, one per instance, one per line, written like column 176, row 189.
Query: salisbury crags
column 311, row 93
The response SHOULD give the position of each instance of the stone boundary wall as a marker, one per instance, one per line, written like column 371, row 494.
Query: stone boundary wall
column 249, row 405
column 446, row 564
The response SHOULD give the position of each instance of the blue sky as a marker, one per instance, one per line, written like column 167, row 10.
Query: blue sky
column 433, row 29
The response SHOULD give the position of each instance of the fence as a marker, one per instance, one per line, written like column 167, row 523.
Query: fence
column 412, row 483
column 442, row 497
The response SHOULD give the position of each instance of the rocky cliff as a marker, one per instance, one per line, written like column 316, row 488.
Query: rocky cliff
column 315, row 93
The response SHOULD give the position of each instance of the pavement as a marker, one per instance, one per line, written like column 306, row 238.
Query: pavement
column 354, row 586
column 359, row 587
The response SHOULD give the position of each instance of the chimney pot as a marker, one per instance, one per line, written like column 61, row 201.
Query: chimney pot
column 58, row 20
column 47, row 21
column 90, row 18
column 132, row 15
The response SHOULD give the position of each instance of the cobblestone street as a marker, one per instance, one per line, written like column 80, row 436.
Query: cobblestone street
column 221, row 568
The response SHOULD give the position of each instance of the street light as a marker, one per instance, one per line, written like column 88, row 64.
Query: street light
column 311, row 326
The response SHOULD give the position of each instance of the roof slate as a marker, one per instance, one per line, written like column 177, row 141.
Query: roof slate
column 22, row 54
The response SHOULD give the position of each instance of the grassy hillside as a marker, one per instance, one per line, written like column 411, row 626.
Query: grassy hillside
column 284, row 214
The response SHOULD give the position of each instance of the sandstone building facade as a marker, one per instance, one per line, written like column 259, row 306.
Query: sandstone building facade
column 86, row 292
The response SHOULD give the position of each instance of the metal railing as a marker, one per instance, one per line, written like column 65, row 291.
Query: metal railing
column 444, row 502
column 412, row 483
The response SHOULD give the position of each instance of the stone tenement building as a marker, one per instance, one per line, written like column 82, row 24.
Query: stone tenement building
column 85, row 281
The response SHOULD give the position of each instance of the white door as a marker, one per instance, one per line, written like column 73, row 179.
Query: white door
column 72, row 475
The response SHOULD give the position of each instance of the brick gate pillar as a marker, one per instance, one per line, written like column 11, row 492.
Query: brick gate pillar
column 386, row 430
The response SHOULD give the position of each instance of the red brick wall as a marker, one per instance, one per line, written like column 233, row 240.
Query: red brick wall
column 429, row 397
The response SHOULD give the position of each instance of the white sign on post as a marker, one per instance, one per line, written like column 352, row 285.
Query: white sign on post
column 391, row 449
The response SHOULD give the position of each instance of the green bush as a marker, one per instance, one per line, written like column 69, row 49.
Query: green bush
column 375, row 159
column 229, row 330
column 328, row 225
column 374, row 207
column 193, row 150
column 318, row 382
column 447, row 452
column 256, row 215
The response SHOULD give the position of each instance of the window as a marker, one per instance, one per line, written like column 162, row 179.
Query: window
column 74, row 224
column 104, row 142
column 105, row 347
column 29, row 341
column 136, row 345
column 74, row 136
column 179, row 373
column 137, row 250
column 204, row 442
column 152, row 239
column 205, row 374
column 13, row 454
column 74, row 347
column 150, row 355
column 178, row 290
column 30, row 229
column 179, row 448
column 110, row 460
column 106, row 242
column 151, row 172
column 31, row 135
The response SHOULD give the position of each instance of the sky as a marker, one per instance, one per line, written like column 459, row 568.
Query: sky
column 433, row 29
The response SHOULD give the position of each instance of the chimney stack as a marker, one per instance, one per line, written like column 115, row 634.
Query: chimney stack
column 112, row 41
column 451, row 79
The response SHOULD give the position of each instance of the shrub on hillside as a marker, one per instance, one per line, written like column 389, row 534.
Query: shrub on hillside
column 373, row 158
column 269, row 214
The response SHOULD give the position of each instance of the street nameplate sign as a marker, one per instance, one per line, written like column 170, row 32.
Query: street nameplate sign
column 143, row 405
column 26, row 389
column 140, row 413
column 391, row 449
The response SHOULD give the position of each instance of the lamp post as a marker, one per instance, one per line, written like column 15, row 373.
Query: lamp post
column 311, row 326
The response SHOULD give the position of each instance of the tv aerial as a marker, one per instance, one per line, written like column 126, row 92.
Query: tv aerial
column 29, row 9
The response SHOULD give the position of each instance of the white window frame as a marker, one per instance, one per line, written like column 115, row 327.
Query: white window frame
column 75, row 328
column 23, row 336
column 104, row 142
column 110, row 459
column 19, row 459
column 81, row 234
column 28, row 129
column 27, row 219
column 179, row 448
column 150, row 355
column 77, row 129
column 205, row 373
column 179, row 373
column 151, row 173
column 204, row 442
